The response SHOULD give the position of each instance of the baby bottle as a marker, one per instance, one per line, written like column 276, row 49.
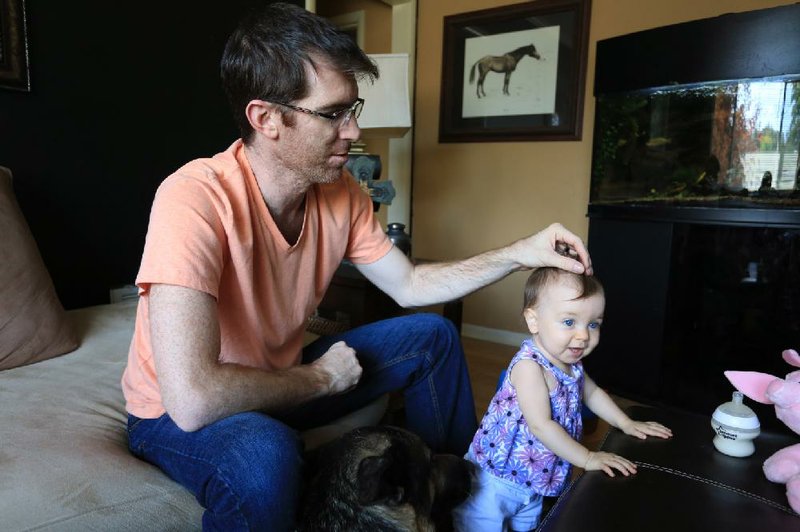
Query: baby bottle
column 736, row 426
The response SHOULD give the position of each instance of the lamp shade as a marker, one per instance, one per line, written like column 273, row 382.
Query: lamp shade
column 387, row 112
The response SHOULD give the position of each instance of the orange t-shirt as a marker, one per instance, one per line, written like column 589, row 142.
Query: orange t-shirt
column 210, row 230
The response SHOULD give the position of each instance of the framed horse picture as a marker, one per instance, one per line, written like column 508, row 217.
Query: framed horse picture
column 13, row 46
column 515, row 73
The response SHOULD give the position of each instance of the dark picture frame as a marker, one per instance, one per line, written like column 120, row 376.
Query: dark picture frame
column 14, row 72
column 544, row 96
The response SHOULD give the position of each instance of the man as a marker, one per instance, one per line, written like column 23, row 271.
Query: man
column 240, row 250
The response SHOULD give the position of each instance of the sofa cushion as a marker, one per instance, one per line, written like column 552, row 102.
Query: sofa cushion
column 33, row 325
column 64, row 459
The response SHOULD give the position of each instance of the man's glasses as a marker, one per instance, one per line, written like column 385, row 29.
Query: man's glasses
column 339, row 118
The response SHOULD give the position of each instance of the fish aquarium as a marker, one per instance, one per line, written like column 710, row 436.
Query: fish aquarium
column 694, row 213
column 727, row 144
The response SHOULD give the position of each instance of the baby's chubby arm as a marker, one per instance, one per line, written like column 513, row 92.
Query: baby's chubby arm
column 534, row 401
column 601, row 404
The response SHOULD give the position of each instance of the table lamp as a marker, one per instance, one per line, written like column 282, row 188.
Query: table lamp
column 386, row 114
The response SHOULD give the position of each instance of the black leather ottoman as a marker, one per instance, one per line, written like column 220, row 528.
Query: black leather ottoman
column 682, row 484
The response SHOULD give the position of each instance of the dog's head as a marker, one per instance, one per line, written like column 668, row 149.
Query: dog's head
column 385, row 477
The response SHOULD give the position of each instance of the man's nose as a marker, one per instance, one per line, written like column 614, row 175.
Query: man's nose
column 350, row 130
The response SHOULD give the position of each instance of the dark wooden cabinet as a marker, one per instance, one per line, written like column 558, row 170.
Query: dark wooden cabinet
column 687, row 301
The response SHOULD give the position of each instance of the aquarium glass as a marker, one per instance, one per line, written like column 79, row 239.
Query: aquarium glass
column 733, row 142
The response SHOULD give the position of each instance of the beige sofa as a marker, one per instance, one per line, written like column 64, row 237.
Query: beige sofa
column 64, row 463
column 63, row 448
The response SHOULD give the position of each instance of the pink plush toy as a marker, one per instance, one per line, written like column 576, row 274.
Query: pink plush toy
column 784, row 465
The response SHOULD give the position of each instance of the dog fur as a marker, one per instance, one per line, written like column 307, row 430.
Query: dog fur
column 382, row 478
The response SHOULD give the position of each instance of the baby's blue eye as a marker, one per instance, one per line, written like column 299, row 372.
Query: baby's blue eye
column 594, row 325
column 569, row 322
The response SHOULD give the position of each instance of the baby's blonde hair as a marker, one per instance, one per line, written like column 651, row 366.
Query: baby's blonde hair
column 540, row 278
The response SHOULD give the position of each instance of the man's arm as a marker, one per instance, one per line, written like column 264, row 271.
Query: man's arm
column 425, row 284
column 197, row 389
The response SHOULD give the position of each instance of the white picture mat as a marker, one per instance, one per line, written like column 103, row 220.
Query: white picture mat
column 532, row 86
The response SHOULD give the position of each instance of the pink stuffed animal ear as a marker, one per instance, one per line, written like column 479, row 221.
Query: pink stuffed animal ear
column 752, row 384
column 791, row 357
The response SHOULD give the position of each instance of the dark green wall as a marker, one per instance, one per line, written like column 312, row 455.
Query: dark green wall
column 123, row 93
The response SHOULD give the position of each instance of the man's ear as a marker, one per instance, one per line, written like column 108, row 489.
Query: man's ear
column 531, row 319
column 264, row 117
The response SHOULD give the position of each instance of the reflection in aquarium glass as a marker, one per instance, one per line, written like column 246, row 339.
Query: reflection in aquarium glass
column 734, row 143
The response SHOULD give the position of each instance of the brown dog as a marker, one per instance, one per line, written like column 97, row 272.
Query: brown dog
column 382, row 478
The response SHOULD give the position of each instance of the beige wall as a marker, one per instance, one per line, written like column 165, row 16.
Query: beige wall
column 470, row 197
column 377, row 21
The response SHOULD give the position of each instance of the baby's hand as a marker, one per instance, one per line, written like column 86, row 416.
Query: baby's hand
column 643, row 429
column 608, row 462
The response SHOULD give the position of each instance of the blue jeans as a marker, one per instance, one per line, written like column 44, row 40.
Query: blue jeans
column 245, row 470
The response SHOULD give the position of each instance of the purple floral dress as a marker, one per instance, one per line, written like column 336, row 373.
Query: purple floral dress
column 505, row 447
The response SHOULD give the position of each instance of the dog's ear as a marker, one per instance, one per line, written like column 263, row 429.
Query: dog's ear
column 376, row 481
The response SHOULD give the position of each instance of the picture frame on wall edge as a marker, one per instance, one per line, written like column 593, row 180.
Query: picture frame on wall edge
column 14, row 69
column 515, row 73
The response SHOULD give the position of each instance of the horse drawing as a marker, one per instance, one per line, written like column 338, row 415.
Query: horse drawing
column 505, row 64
